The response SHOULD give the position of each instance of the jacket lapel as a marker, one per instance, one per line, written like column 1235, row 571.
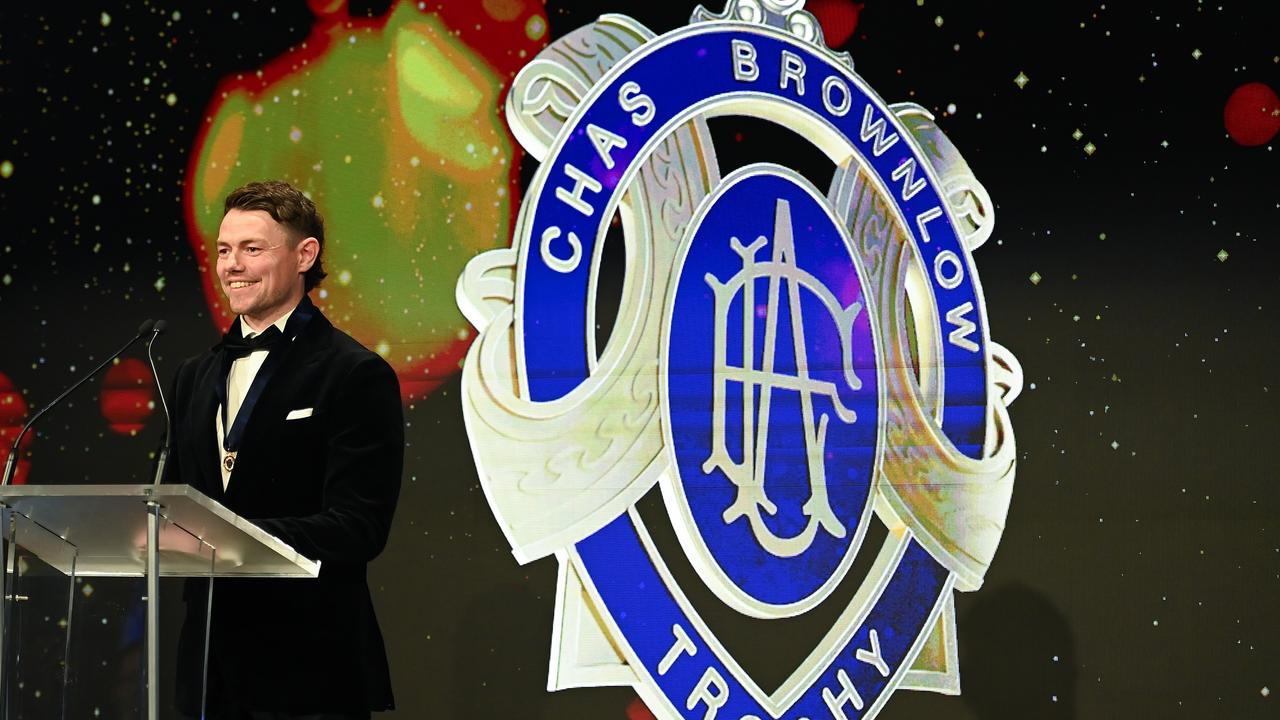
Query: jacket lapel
column 203, row 430
column 279, row 392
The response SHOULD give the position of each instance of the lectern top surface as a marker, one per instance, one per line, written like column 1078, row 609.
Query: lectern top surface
column 97, row 530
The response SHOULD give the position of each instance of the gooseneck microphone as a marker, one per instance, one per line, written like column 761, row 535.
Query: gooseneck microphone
column 11, row 465
column 163, row 457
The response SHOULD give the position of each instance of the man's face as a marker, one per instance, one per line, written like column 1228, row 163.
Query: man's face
column 259, row 270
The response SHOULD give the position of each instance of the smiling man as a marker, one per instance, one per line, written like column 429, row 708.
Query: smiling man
column 294, row 425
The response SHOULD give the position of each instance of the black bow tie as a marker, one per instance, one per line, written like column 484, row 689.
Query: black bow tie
column 238, row 347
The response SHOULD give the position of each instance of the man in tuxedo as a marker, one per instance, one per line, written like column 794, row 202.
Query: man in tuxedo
column 294, row 425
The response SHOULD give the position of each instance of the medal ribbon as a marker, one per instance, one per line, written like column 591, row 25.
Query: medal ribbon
column 234, row 347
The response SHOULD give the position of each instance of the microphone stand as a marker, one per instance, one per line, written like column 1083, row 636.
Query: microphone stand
column 153, row 544
column 163, row 457
column 11, row 464
column 9, row 540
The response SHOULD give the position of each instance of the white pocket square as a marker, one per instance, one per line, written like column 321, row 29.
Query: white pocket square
column 299, row 414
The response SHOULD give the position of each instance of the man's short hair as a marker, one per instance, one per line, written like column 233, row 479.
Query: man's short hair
column 289, row 207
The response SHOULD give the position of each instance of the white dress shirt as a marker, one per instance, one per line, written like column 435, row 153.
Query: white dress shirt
column 243, row 371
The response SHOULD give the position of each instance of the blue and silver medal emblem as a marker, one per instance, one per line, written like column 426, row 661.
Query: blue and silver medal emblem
column 789, row 366
column 771, row 401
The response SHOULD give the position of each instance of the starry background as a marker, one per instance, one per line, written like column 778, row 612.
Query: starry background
column 1130, row 271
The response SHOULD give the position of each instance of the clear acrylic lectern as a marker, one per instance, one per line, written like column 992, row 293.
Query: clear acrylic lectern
column 149, row 531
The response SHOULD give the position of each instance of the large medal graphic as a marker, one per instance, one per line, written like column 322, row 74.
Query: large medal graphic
column 789, row 366
column 786, row 389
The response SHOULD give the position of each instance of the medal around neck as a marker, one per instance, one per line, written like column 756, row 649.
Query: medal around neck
column 790, row 365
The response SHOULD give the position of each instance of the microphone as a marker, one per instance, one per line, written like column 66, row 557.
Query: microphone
column 163, row 457
column 11, row 465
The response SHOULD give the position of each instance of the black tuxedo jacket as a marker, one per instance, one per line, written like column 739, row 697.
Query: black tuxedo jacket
column 325, row 484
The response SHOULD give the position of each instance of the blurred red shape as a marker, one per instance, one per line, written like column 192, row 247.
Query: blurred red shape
column 13, row 413
column 838, row 18
column 127, row 396
column 637, row 710
column 1252, row 114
